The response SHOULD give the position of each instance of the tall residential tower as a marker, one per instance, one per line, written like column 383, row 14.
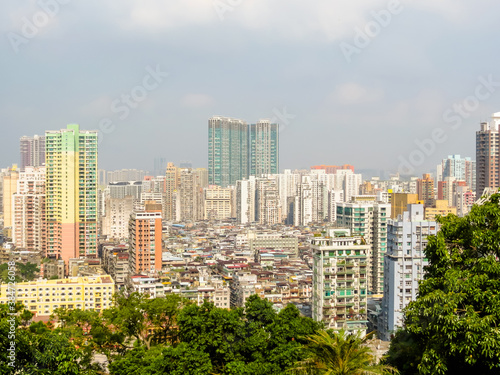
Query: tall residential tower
column 237, row 150
column 487, row 154
column 32, row 151
column 227, row 151
column 263, row 148
column 71, row 193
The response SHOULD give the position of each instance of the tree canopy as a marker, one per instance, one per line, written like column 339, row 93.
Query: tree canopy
column 40, row 350
column 341, row 353
column 24, row 272
column 453, row 325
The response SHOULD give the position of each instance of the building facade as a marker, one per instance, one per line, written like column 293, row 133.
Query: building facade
column 404, row 265
column 171, row 186
column 218, row 203
column 114, row 224
column 340, row 280
column 28, row 204
column 189, row 196
column 32, row 151
column 227, row 151
column 369, row 220
column 9, row 188
column 263, row 148
column 267, row 202
column 425, row 187
column 145, row 239
column 487, row 155
column 462, row 169
column 71, row 193
column 42, row 297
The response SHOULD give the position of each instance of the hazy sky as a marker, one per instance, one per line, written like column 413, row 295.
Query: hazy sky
column 358, row 82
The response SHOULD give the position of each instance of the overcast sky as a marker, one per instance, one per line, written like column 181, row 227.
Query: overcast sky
column 358, row 82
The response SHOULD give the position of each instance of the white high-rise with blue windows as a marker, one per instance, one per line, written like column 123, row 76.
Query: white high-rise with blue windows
column 404, row 265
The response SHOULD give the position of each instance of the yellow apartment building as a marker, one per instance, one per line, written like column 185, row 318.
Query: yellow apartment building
column 43, row 296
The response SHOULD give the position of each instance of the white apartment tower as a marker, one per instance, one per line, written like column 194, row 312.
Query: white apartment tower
column 245, row 200
column 267, row 202
column 28, row 206
column 404, row 265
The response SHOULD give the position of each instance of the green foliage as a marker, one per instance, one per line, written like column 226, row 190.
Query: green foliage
column 255, row 340
column 163, row 336
column 339, row 354
column 132, row 322
column 23, row 272
column 452, row 327
column 40, row 350
column 213, row 331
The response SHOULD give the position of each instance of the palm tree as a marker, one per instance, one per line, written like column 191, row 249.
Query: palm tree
column 329, row 353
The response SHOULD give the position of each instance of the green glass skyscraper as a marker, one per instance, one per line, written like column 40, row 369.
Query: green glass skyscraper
column 263, row 148
column 227, row 151
column 237, row 150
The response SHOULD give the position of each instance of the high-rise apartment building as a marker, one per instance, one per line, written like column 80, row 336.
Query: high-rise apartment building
column 218, row 203
column 340, row 280
column 245, row 200
column 28, row 206
column 487, row 155
column 404, row 265
column 267, row 202
column 32, row 150
column 227, row 151
column 425, row 188
column 237, row 150
column 303, row 203
column 71, row 193
column 171, row 185
column 9, row 188
column 160, row 165
column 369, row 220
column 334, row 197
column 263, row 148
column 464, row 200
column 462, row 169
column 114, row 224
column 447, row 189
column 348, row 181
column 189, row 197
column 145, row 242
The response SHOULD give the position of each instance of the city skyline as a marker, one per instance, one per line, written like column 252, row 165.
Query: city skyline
column 333, row 75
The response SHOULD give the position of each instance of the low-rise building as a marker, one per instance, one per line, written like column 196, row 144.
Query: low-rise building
column 441, row 208
column 43, row 296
